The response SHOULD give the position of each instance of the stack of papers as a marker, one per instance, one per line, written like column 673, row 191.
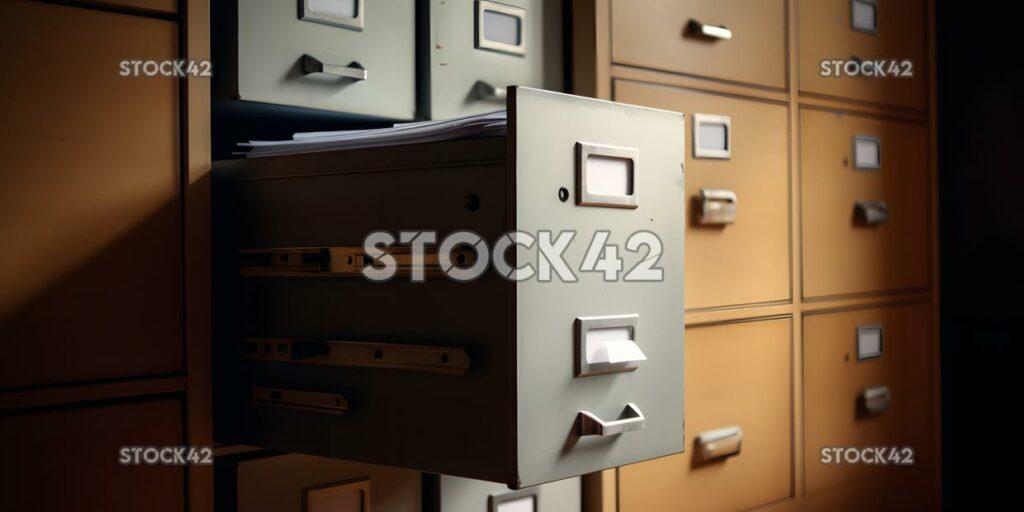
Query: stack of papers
column 476, row 125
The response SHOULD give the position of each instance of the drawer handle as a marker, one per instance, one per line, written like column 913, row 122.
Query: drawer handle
column 720, row 442
column 311, row 65
column 876, row 400
column 486, row 91
column 709, row 31
column 590, row 425
column 871, row 213
column 717, row 207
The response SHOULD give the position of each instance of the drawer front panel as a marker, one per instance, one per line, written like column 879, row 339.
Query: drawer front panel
column 865, row 204
column 470, row 71
column 274, row 36
column 69, row 459
column 840, row 410
column 738, row 376
column 464, row 495
column 743, row 260
column 840, row 30
column 89, row 197
column 688, row 37
column 551, row 133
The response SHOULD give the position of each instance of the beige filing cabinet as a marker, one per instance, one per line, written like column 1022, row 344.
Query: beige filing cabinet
column 524, row 381
column 102, row 220
column 819, row 198
column 738, row 436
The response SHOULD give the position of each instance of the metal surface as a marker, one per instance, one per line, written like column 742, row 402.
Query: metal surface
column 339, row 261
column 466, row 495
column 486, row 91
column 631, row 419
column 863, row 352
column 495, row 500
column 709, row 31
column 702, row 152
column 311, row 65
column 273, row 35
column 307, row 13
column 867, row 139
column 424, row 358
column 875, row 400
column 584, row 324
column 584, row 197
column 860, row 27
column 717, row 207
column 871, row 213
column 456, row 63
column 720, row 443
column 327, row 403
column 481, row 40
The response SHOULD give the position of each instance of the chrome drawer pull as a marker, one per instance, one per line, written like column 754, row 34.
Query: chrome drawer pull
column 311, row 65
column 710, row 31
column 871, row 213
column 717, row 207
column 876, row 400
column 486, row 91
column 720, row 443
column 590, row 425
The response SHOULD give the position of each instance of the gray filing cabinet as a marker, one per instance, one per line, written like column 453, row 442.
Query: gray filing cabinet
column 454, row 494
column 515, row 382
column 351, row 56
column 477, row 48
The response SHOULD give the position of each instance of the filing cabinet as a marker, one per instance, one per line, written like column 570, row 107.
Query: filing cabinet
column 455, row 494
column 516, row 382
column 867, row 376
column 732, row 40
column 350, row 56
column 739, row 438
column 865, row 204
column 477, row 48
column 90, row 199
column 300, row 483
column 51, row 456
column 737, row 238
column 865, row 30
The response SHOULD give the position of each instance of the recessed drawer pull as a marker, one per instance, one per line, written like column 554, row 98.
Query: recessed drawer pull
column 311, row 65
column 710, row 31
column 590, row 425
column 486, row 91
column 311, row 401
column 720, row 443
column 717, row 207
column 424, row 358
column 871, row 213
column 338, row 261
column 876, row 400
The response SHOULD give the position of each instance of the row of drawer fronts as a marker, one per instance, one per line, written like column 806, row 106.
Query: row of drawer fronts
column 867, row 383
column 746, row 42
column 301, row 483
column 68, row 459
column 93, row 288
column 854, row 170
column 359, row 57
